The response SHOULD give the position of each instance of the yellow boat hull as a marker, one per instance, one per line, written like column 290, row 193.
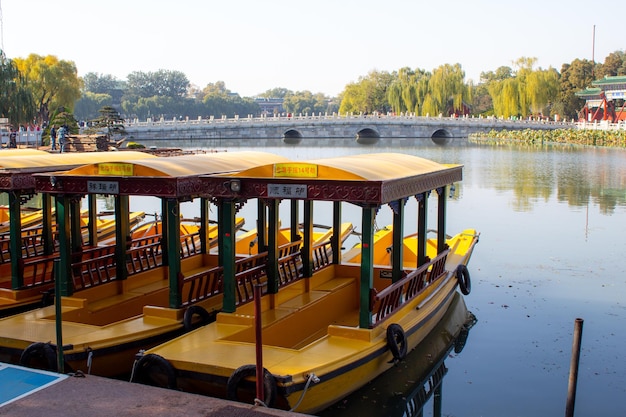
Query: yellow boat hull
column 309, row 328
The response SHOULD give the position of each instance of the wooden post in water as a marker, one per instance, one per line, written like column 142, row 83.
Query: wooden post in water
column 573, row 369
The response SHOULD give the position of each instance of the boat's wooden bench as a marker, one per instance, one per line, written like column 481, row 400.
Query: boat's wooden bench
column 109, row 303
column 298, row 317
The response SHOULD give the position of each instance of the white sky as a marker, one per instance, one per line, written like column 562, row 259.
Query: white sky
column 320, row 46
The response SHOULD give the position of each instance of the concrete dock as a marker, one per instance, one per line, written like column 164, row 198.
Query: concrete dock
column 102, row 397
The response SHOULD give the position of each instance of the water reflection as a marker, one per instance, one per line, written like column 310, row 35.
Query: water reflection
column 407, row 388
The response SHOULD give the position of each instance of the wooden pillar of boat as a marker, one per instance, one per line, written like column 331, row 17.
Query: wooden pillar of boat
column 272, row 246
column 294, row 220
column 306, row 252
column 46, row 219
column 422, row 223
column 226, row 251
column 62, row 203
column 261, row 226
column 367, row 269
column 172, row 235
column 335, row 240
column 397, row 254
column 441, row 219
column 15, row 244
column 164, row 239
column 92, row 226
column 76, row 235
column 205, row 244
column 122, row 235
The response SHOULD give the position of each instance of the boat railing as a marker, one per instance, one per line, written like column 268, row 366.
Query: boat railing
column 93, row 272
column 38, row 272
column 401, row 292
column 249, row 271
column 322, row 255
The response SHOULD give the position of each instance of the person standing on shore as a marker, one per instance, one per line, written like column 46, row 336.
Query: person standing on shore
column 61, row 136
column 53, row 139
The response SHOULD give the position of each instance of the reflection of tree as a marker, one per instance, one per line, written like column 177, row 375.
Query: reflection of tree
column 576, row 175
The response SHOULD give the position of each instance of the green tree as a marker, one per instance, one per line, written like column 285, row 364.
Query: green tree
column 87, row 107
column 62, row 117
column 527, row 91
column 110, row 122
column 16, row 102
column 447, row 89
column 367, row 95
column 278, row 92
column 305, row 102
column 614, row 64
column 53, row 83
column 160, row 83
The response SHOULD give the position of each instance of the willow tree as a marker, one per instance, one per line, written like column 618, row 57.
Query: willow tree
column 53, row 83
column 16, row 103
column 448, row 90
column 527, row 92
column 505, row 97
column 408, row 90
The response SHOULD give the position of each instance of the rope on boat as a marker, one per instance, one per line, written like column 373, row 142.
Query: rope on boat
column 311, row 377
column 89, row 361
column 132, row 372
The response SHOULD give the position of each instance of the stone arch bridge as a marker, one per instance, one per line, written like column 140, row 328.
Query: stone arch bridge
column 317, row 130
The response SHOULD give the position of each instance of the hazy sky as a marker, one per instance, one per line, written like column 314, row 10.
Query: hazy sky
column 318, row 46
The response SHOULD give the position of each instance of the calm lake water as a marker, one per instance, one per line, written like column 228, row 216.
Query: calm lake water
column 551, row 250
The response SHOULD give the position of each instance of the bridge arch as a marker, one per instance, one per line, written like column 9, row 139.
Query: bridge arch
column 292, row 137
column 367, row 136
column 441, row 137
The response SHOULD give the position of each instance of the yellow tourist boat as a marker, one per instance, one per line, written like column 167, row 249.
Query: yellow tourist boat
column 320, row 330
column 248, row 242
column 111, row 306
column 383, row 247
column 32, row 233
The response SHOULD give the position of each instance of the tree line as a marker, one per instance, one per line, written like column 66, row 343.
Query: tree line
column 34, row 90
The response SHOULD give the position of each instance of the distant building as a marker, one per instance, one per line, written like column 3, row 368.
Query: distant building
column 605, row 100
column 270, row 106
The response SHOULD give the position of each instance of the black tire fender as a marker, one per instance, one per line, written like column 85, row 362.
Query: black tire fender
column 463, row 276
column 152, row 362
column 43, row 352
column 205, row 317
column 269, row 383
column 396, row 341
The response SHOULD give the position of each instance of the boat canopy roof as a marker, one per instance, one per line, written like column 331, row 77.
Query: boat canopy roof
column 20, row 152
column 46, row 161
column 180, row 166
column 178, row 176
column 365, row 178
column 16, row 172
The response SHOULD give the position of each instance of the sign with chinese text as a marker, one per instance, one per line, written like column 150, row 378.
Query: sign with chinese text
column 103, row 187
column 295, row 169
column 297, row 191
column 115, row 168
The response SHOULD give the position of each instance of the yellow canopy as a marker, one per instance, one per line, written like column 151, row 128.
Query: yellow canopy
column 363, row 167
column 179, row 166
column 68, row 160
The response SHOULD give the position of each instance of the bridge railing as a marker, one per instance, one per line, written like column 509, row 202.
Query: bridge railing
column 338, row 118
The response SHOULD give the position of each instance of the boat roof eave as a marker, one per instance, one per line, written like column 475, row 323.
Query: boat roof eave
column 362, row 179
column 175, row 176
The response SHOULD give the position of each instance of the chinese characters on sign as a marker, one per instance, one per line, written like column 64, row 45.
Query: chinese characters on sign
column 295, row 169
column 297, row 191
column 115, row 168
column 103, row 187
